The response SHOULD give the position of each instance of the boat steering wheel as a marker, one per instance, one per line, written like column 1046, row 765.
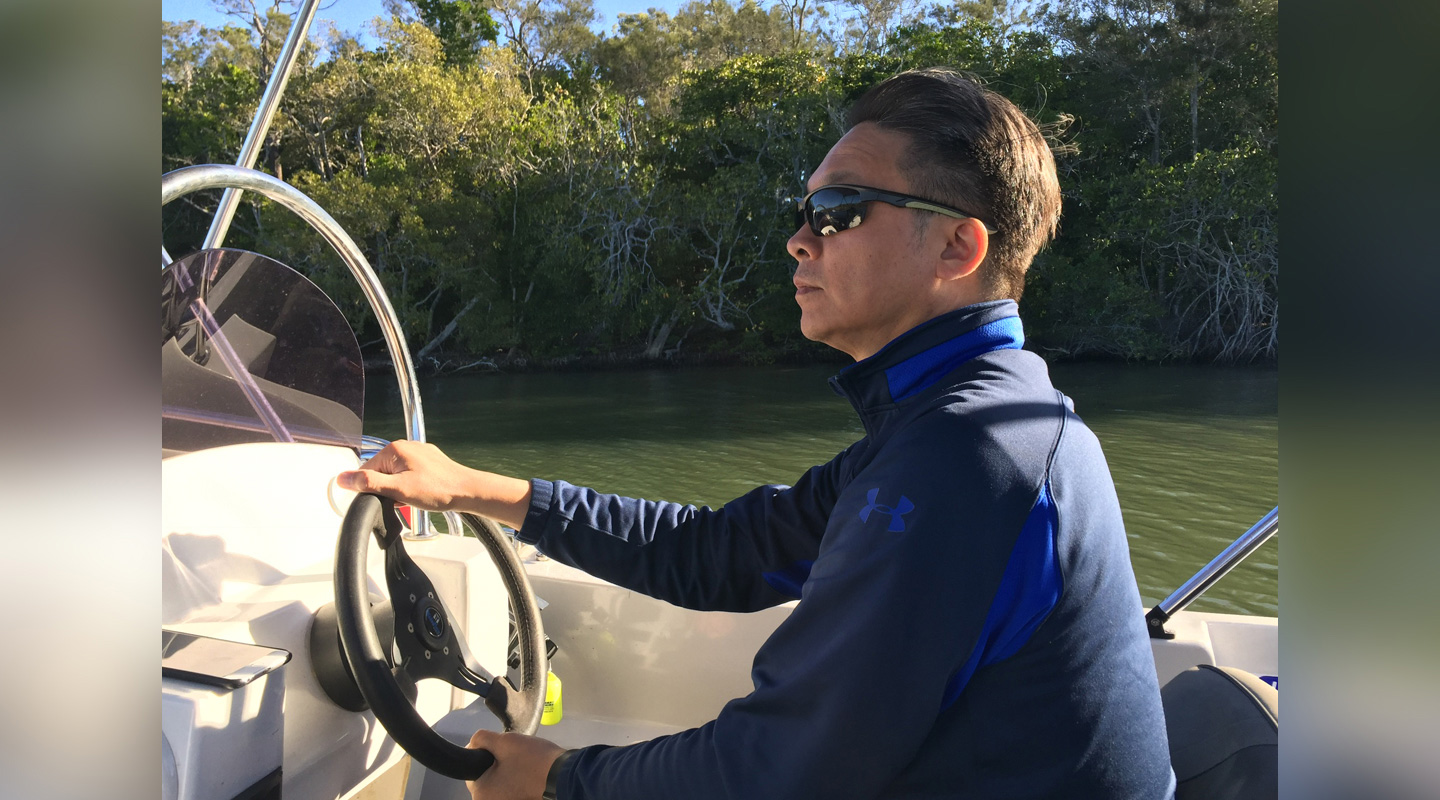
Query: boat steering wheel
column 428, row 643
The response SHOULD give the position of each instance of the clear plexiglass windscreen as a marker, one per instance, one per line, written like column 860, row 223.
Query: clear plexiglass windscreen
column 252, row 351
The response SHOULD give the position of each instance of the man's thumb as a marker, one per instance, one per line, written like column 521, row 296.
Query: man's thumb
column 362, row 480
column 483, row 739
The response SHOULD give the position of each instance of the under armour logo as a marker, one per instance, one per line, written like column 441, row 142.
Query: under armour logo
column 897, row 513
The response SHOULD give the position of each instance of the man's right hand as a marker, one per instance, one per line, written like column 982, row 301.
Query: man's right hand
column 419, row 474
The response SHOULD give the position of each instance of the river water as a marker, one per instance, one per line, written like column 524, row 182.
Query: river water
column 1193, row 450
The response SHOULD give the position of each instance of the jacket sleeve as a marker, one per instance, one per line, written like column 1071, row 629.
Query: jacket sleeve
column 849, row 686
column 750, row 554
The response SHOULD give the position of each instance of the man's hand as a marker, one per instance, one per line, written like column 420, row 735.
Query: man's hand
column 419, row 474
column 521, row 764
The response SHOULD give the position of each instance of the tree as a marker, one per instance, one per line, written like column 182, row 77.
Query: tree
column 1005, row 16
column 396, row 139
column 1212, row 228
column 868, row 23
column 651, row 50
column 551, row 36
column 562, row 194
column 743, row 137
column 1173, row 194
column 462, row 26
column 257, row 42
column 207, row 102
column 796, row 14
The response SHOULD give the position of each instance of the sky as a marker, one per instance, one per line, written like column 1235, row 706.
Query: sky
column 352, row 16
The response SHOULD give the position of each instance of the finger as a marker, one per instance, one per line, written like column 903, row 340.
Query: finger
column 483, row 740
column 389, row 460
column 365, row 480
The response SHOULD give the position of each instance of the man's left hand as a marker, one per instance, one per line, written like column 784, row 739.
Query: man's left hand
column 521, row 765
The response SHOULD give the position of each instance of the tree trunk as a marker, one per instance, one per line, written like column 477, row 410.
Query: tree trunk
column 360, row 145
column 1195, row 112
column 449, row 329
column 1152, row 121
column 656, row 345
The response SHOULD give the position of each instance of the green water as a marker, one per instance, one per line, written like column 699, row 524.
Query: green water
column 1194, row 450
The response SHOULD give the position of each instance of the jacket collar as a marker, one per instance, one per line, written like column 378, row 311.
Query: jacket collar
column 918, row 358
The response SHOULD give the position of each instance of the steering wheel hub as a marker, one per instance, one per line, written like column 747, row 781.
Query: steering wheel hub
column 432, row 624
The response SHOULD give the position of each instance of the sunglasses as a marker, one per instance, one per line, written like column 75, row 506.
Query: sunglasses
column 841, row 207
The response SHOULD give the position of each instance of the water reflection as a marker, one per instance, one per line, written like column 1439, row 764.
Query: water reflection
column 1193, row 449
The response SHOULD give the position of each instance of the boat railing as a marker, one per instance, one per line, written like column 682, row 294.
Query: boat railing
column 264, row 115
column 1211, row 573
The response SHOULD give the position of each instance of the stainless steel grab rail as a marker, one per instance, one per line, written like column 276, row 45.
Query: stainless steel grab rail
column 181, row 182
column 1211, row 573
column 264, row 115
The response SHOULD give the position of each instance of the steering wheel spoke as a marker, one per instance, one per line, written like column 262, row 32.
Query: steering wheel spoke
column 430, row 644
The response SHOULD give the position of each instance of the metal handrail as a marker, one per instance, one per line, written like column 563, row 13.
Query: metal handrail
column 183, row 181
column 1211, row 573
column 264, row 115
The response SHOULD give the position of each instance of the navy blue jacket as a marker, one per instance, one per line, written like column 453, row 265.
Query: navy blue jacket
column 969, row 623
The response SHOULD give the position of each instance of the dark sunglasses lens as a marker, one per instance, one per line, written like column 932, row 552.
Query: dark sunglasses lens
column 833, row 211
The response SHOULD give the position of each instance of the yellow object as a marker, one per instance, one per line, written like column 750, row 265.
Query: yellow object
column 554, row 710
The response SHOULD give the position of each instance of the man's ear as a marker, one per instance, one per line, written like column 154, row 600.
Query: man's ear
column 966, row 245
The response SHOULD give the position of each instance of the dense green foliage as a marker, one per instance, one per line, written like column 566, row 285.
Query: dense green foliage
column 564, row 195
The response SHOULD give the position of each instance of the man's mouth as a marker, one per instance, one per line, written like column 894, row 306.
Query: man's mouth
column 805, row 288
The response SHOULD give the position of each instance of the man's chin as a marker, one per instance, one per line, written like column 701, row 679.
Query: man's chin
column 810, row 330
column 817, row 334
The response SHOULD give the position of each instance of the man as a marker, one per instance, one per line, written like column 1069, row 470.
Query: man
column 969, row 624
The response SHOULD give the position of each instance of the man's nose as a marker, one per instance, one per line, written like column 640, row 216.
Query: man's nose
column 804, row 245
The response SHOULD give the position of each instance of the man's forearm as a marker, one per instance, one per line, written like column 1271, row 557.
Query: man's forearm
column 499, row 497
column 420, row 475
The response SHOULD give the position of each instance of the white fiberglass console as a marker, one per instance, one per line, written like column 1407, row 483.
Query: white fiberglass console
column 248, row 550
column 263, row 400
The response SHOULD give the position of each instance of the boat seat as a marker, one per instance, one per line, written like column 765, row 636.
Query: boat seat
column 1224, row 726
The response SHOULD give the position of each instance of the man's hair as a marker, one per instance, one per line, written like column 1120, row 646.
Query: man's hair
column 973, row 149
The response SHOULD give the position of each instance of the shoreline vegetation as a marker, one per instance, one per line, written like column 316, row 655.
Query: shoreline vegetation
column 536, row 196
column 468, row 363
column 457, row 363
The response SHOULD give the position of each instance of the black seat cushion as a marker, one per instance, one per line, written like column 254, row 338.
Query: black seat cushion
column 1224, row 726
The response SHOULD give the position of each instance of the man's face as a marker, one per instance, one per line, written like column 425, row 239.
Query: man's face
column 860, row 288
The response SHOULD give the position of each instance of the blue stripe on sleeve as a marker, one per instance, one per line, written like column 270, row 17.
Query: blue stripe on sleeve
column 1028, row 592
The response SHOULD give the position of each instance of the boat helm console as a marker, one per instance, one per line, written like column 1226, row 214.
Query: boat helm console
column 266, row 561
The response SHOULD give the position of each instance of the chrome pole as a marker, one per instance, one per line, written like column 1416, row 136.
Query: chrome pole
column 264, row 115
column 216, row 176
column 1211, row 573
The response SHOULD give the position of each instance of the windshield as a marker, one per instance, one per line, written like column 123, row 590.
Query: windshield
column 252, row 351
